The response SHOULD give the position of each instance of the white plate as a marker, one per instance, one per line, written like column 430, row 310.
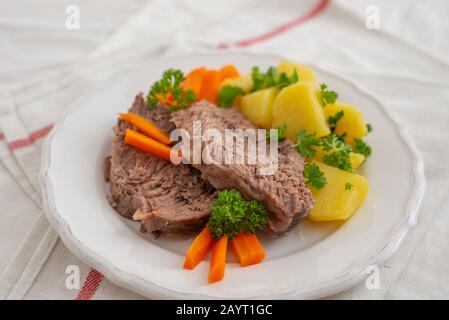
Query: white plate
column 312, row 261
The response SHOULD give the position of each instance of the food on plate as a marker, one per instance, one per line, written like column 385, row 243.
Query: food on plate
column 146, row 144
column 317, row 141
column 199, row 248
column 304, row 73
column 166, row 198
column 342, row 195
column 218, row 260
column 244, row 82
column 298, row 107
column 350, row 121
column 355, row 159
column 284, row 193
column 258, row 106
column 248, row 249
column 146, row 126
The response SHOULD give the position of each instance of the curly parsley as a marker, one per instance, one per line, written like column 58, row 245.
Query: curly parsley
column 362, row 147
column 339, row 152
column 333, row 120
column 305, row 143
column 280, row 136
column 271, row 78
column 314, row 176
column 227, row 96
column 327, row 96
column 168, row 91
column 231, row 215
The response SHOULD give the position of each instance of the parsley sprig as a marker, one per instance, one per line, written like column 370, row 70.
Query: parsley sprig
column 314, row 176
column 279, row 136
column 333, row 120
column 327, row 96
column 305, row 142
column 271, row 78
column 339, row 152
column 362, row 147
column 168, row 91
column 228, row 94
column 231, row 215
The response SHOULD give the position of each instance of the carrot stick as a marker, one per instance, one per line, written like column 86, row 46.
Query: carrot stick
column 198, row 249
column 229, row 71
column 248, row 249
column 147, row 127
column 194, row 81
column 143, row 143
column 218, row 261
column 211, row 83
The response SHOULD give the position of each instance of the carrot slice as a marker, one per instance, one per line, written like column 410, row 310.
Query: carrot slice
column 198, row 249
column 194, row 81
column 248, row 249
column 147, row 127
column 211, row 83
column 229, row 71
column 143, row 143
column 218, row 261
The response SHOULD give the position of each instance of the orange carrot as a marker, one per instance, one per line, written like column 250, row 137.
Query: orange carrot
column 229, row 71
column 211, row 83
column 194, row 81
column 248, row 249
column 143, row 143
column 198, row 249
column 147, row 127
column 218, row 261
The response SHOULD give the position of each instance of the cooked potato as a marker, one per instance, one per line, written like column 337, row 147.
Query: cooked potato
column 298, row 107
column 352, row 122
column 304, row 73
column 342, row 195
column 258, row 106
column 245, row 82
column 356, row 159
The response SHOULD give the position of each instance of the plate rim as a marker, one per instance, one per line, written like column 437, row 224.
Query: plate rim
column 345, row 280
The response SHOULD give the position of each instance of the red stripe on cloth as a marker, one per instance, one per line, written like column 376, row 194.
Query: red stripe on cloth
column 280, row 29
column 90, row 285
column 25, row 142
column 2, row 136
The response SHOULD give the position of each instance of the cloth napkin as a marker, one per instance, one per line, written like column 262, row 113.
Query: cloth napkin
column 402, row 63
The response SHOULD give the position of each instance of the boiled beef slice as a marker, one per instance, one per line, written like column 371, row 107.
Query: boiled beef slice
column 167, row 198
column 283, row 193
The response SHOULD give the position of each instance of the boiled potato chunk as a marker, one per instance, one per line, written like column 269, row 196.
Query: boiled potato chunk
column 298, row 107
column 245, row 82
column 356, row 159
column 334, row 201
column 258, row 106
column 304, row 73
column 352, row 122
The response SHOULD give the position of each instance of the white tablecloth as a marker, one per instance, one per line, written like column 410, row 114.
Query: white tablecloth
column 44, row 66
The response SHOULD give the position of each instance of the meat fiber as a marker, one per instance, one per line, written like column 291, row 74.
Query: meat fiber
column 283, row 193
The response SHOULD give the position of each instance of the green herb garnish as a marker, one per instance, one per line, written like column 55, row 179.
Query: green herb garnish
column 362, row 147
column 369, row 127
column 348, row 186
column 314, row 176
column 305, row 143
column 271, row 78
column 339, row 153
column 227, row 96
column 231, row 215
column 327, row 96
column 332, row 120
column 280, row 134
column 169, row 92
